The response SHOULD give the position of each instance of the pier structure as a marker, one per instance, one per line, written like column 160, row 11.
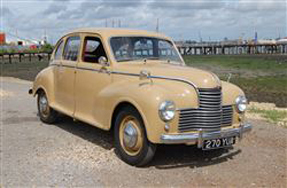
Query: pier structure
column 232, row 48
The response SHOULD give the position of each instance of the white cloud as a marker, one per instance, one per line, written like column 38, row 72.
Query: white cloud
column 178, row 19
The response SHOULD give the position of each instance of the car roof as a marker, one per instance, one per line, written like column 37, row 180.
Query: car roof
column 110, row 32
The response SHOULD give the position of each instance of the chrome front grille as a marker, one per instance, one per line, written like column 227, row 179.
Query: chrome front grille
column 210, row 99
column 227, row 114
column 210, row 115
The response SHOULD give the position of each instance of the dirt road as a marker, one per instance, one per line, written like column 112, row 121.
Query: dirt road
column 75, row 154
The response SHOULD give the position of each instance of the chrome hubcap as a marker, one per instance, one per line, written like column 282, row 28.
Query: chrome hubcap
column 130, row 135
column 43, row 105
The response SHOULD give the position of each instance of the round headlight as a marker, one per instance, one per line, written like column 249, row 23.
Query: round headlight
column 241, row 103
column 167, row 110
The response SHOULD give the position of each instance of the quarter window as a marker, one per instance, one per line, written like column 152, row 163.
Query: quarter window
column 59, row 51
column 93, row 50
column 72, row 48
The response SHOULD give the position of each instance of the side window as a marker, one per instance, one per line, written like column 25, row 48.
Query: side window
column 93, row 50
column 71, row 49
column 59, row 51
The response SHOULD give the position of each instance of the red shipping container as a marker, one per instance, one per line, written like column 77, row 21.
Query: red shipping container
column 2, row 38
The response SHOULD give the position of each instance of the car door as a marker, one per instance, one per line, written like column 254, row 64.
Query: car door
column 91, row 79
column 65, row 77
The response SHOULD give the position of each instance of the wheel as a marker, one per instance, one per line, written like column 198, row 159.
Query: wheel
column 46, row 113
column 131, row 142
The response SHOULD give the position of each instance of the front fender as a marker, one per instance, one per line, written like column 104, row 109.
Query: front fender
column 45, row 81
column 229, row 93
column 146, row 97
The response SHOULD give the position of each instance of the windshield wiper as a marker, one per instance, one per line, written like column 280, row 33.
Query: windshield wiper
column 128, row 59
column 152, row 58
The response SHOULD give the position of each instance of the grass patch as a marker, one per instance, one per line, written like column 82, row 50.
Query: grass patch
column 250, row 62
column 274, row 116
column 273, row 84
column 262, row 77
column 23, row 70
column 264, row 89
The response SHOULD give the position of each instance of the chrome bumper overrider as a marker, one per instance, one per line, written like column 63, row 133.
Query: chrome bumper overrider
column 192, row 138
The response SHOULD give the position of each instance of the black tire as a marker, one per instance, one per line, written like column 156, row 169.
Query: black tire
column 147, row 150
column 50, row 116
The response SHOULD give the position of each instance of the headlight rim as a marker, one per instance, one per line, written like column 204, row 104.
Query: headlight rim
column 241, row 100
column 163, row 107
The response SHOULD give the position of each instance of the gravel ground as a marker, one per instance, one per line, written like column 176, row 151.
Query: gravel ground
column 76, row 154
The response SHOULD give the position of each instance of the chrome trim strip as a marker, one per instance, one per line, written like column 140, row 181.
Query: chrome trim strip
column 199, row 117
column 81, row 68
column 125, row 73
column 67, row 66
column 198, row 137
column 138, row 75
column 162, row 77
column 194, row 110
column 158, row 77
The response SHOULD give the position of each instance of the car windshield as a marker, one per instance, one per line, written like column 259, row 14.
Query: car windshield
column 149, row 48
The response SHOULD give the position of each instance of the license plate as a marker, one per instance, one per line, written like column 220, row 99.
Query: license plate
column 218, row 143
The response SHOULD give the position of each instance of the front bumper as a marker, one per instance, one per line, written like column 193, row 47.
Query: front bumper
column 197, row 138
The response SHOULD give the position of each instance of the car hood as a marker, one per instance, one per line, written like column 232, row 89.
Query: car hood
column 200, row 78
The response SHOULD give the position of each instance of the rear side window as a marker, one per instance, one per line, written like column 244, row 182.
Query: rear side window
column 59, row 50
column 72, row 48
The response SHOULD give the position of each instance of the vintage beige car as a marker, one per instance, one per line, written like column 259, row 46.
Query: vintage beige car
column 135, row 83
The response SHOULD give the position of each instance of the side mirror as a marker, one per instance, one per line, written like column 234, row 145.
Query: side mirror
column 103, row 61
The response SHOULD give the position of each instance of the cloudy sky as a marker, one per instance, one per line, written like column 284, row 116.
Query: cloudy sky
column 180, row 19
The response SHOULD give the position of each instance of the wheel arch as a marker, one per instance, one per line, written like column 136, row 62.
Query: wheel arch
column 38, row 90
column 122, row 104
column 44, row 81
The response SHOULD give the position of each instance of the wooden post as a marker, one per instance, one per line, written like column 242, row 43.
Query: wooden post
column 10, row 59
column 40, row 57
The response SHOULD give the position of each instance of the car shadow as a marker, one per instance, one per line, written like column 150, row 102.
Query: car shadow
column 87, row 132
column 178, row 156
column 166, row 157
